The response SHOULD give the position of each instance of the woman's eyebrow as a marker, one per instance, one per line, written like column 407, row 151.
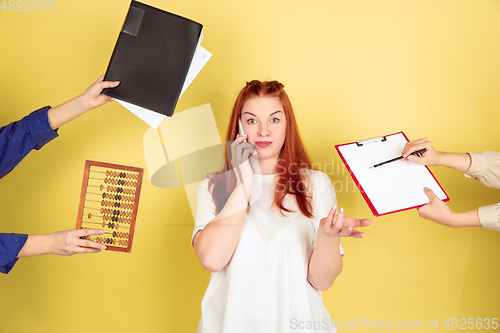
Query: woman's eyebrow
column 272, row 114
column 256, row 116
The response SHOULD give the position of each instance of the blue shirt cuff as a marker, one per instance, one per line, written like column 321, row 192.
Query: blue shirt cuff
column 39, row 127
column 10, row 245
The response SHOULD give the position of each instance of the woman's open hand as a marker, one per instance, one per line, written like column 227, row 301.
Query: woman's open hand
column 340, row 225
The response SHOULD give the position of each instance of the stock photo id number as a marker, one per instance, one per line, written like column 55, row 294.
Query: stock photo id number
column 28, row 5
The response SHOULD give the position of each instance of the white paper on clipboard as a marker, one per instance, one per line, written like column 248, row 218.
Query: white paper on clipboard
column 394, row 186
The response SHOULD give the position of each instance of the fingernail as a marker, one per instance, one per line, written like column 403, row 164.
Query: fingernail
column 350, row 229
column 363, row 235
column 101, row 232
column 103, row 247
column 409, row 158
column 334, row 208
column 341, row 211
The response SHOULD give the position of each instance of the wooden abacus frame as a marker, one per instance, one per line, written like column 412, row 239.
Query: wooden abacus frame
column 112, row 199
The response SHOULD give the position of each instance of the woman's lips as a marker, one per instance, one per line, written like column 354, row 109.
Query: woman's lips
column 263, row 144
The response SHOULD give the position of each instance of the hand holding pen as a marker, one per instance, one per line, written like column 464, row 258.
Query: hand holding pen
column 419, row 151
column 430, row 157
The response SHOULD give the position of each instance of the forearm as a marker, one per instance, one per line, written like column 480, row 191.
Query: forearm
column 36, row 245
column 67, row 111
column 439, row 212
column 326, row 261
column 466, row 219
column 216, row 243
column 457, row 161
column 90, row 99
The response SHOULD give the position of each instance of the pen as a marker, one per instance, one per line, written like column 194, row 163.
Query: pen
column 420, row 151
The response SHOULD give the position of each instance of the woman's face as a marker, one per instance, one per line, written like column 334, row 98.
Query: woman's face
column 264, row 122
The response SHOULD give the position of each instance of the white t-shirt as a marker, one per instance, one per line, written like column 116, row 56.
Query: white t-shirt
column 264, row 288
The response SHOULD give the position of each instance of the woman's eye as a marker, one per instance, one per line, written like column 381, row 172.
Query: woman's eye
column 275, row 120
column 251, row 121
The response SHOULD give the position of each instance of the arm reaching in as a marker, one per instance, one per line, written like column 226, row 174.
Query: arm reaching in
column 63, row 243
column 90, row 99
column 457, row 161
column 437, row 211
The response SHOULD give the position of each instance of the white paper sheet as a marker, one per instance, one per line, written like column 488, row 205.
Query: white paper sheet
column 151, row 118
column 200, row 58
column 394, row 186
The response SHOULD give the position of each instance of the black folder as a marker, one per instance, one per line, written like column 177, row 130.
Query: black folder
column 151, row 58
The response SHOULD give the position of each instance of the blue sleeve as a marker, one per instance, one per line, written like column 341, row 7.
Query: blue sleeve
column 20, row 137
column 10, row 245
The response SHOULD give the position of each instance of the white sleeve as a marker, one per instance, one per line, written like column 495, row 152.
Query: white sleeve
column 205, row 212
column 324, row 199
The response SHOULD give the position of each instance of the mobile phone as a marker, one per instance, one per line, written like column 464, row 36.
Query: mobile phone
column 241, row 128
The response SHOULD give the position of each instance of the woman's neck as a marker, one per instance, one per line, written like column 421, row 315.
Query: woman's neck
column 268, row 166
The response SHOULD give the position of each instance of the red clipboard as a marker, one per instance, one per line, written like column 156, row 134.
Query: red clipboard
column 403, row 177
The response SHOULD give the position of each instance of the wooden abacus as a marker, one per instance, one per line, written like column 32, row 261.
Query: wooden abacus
column 109, row 200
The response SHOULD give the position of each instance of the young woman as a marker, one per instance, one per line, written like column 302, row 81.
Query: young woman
column 267, row 228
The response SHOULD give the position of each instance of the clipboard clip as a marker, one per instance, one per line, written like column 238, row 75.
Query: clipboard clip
column 367, row 141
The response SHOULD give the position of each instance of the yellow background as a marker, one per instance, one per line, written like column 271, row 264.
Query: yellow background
column 354, row 69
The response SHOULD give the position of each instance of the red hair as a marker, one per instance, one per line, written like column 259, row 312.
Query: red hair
column 292, row 159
